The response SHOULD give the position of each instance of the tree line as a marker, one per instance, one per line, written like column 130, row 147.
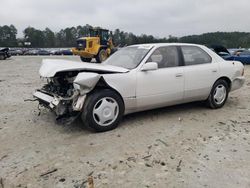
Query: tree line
column 67, row 38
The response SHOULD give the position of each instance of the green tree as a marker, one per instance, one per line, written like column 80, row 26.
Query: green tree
column 49, row 38
column 34, row 36
column 8, row 36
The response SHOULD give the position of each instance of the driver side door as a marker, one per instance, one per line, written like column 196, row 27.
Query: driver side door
column 163, row 86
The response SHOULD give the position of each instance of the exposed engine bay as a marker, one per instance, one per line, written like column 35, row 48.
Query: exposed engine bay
column 64, row 100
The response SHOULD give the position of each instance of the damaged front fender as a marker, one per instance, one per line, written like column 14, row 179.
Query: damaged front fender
column 86, row 81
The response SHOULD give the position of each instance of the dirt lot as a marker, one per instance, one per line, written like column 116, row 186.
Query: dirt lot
column 182, row 146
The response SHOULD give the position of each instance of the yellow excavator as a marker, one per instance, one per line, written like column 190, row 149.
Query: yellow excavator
column 97, row 43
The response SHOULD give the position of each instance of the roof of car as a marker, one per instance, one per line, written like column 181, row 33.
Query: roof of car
column 165, row 44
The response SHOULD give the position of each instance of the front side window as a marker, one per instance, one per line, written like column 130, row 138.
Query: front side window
column 194, row 55
column 165, row 57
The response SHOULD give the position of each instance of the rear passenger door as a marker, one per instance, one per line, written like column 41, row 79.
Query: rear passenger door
column 200, row 73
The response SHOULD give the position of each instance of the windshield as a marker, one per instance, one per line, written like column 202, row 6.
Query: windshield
column 128, row 57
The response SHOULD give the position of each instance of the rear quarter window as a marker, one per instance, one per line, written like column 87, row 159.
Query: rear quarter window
column 194, row 55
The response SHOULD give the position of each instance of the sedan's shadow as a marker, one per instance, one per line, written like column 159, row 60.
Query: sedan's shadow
column 78, row 126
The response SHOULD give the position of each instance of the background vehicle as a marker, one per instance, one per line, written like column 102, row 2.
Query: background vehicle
column 241, row 55
column 4, row 53
column 96, row 44
column 31, row 52
column 43, row 52
column 15, row 52
column 137, row 78
column 63, row 52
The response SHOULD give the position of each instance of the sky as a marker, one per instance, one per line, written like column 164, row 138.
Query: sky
column 160, row 18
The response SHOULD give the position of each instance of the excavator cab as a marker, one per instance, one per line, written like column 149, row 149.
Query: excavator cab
column 96, row 43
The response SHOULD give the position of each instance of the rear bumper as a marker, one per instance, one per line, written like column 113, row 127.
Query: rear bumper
column 238, row 83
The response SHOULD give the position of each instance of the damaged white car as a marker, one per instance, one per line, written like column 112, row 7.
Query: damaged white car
column 137, row 78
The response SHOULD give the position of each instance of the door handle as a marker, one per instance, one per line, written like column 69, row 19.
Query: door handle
column 179, row 75
column 214, row 70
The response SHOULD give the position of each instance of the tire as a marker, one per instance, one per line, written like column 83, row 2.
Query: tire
column 100, row 103
column 85, row 59
column 101, row 56
column 218, row 95
column 2, row 57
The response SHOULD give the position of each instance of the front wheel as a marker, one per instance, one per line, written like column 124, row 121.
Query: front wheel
column 84, row 59
column 102, row 110
column 218, row 95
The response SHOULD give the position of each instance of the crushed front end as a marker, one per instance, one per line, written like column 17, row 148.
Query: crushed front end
column 60, row 96
column 65, row 93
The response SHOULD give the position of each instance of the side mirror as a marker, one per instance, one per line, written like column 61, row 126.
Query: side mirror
column 149, row 66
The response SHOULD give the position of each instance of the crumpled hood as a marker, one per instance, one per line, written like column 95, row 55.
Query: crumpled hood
column 50, row 67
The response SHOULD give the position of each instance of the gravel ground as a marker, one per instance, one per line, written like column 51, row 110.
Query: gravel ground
column 182, row 146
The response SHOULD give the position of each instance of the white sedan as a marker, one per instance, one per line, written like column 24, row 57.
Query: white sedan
column 137, row 78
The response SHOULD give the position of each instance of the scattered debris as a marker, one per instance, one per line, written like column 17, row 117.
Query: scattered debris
column 222, row 123
column 163, row 163
column 178, row 168
column 131, row 159
column 91, row 173
column 148, row 165
column 146, row 157
column 62, row 180
column 1, row 183
column 3, row 157
column 233, row 121
column 90, row 182
column 83, row 184
column 22, row 172
column 159, row 140
column 49, row 172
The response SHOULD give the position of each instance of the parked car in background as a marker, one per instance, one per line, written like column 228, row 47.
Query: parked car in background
column 43, row 52
column 4, row 53
column 63, row 52
column 241, row 55
column 31, row 52
column 15, row 52
column 235, row 51
column 137, row 78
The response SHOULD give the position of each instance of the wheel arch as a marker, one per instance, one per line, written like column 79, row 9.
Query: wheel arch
column 102, row 84
column 225, row 78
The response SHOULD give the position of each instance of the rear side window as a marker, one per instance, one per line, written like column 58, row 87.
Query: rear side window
column 194, row 55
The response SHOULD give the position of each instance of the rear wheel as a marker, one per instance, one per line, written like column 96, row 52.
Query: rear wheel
column 218, row 94
column 101, row 56
column 103, row 110
column 2, row 57
column 84, row 59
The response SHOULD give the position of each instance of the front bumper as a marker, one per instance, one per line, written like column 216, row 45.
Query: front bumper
column 82, row 53
column 237, row 83
column 61, row 106
column 48, row 100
